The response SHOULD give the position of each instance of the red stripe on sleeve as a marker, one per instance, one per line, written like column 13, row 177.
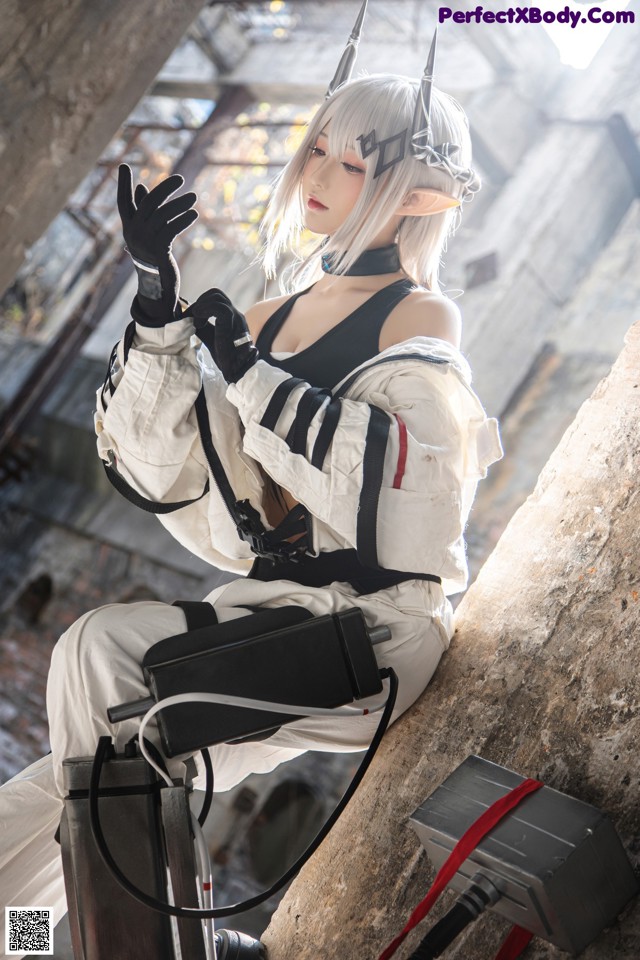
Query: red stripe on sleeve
column 402, row 454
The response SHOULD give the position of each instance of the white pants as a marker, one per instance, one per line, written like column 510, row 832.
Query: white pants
column 96, row 664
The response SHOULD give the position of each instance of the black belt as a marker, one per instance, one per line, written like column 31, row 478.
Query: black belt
column 339, row 565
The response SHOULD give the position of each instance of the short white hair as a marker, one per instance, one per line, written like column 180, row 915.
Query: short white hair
column 384, row 103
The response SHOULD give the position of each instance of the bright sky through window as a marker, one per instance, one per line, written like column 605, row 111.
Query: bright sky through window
column 578, row 46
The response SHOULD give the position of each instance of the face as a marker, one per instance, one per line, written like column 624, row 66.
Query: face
column 330, row 187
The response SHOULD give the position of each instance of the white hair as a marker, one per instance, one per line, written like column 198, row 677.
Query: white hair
column 384, row 103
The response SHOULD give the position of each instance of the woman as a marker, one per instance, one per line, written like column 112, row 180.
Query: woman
column 343, row 419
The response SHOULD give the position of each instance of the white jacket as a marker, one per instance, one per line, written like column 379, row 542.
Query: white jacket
column 388, row 464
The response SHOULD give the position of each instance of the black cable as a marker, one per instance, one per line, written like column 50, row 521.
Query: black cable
column 443, row 933
column 208, row 790
column 480, row 894
column 159, row 760
column 104, row 746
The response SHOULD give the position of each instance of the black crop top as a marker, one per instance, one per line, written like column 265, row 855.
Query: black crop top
column 343, row 348
column 324, row 364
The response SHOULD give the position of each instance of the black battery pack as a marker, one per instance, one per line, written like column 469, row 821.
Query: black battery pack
column 282, row 655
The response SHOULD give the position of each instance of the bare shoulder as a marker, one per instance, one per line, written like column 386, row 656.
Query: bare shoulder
column 422, row 314
column 259, row 313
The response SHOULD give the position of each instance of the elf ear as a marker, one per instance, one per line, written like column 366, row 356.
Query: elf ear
column 424, row 202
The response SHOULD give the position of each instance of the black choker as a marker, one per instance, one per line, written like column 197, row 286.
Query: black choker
column 380, row 260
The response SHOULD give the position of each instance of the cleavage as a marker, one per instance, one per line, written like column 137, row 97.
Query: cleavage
column 307, row 321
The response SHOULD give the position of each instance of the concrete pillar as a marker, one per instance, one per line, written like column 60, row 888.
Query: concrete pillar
column 72, row 72
column 546, row 227
column 542, row 677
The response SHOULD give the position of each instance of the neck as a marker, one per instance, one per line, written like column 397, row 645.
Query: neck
column 379, row 260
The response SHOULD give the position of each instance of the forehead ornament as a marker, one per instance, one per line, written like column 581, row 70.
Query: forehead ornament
column 390, row 151
column 418, row 138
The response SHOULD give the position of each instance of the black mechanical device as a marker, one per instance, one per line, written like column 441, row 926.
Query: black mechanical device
column 146, row 827
column 135, row 815
column 281, row 655
column 554, row 865
column 127, row 836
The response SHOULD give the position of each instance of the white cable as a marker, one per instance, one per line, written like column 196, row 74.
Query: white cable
column 145, row 753
column 350, row 710
column 202, row 851
column 206, row 879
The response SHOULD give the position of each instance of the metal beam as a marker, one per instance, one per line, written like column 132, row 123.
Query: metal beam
column 107, row 281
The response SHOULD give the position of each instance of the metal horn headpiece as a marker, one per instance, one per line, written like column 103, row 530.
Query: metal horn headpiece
column 421, row 144
column 394, row 148
column 348, row 58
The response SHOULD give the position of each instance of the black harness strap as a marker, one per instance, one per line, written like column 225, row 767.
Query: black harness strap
column 251, row 529
column 211, row 453
column 127, row 343
column 338, row 565
column 197, row 613
column 127, row 340
column 149, row 506
column 125, row 489
column 372, row 470
column 108, row 382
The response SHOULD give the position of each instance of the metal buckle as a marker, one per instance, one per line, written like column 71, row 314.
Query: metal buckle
column 252, row 530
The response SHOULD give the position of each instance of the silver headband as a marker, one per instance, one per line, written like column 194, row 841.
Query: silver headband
column 393, row 149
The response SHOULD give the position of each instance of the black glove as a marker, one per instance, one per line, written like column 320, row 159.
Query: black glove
column 227, row 337
column 149, row 226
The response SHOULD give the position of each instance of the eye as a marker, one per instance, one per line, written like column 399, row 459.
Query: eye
column 349, row 167
column 317, row 152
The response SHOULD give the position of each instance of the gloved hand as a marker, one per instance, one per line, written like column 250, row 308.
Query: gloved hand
column 150, row 224
column 224, row 330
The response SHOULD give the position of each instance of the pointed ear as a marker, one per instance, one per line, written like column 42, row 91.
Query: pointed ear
column 424, row 202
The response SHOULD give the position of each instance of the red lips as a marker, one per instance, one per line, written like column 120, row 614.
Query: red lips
column 314, row 204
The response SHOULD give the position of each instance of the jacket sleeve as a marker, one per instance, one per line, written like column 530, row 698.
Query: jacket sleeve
column 397, row 460
column 147, row 429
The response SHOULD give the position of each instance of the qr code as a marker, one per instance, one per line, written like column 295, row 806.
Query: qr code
column 28, row 930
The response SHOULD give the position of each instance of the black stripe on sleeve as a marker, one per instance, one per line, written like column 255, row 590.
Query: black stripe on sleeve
column 309, row 405
column 277, row 402
column 129, row 334
column 325, row 434
column 108, row 382
column 372, row 470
